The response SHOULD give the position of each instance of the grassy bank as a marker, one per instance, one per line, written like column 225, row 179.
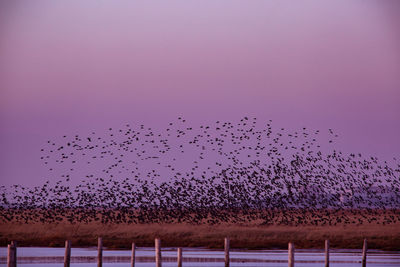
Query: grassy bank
column 386, row 237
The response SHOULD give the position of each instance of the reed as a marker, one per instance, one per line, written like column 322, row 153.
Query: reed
column 386, row 237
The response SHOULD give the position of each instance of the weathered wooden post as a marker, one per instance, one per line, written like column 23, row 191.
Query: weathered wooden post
column 291, row 255
column 179, row 257
column 326, row 253
column 99, row 252
column 133, row 255
column 67, row 255
column 157, row 242
column 11, row 256
column 364, row 254
column 226, row 251
column 14, row 244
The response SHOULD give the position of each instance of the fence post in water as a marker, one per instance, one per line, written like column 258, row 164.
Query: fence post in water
column 291, row 255
column 133, row 255
column 179, row 257
column 14, row 244
column 11, row 256
column 99, row 252
column 67, row 255
column 364, row 254
column 157, row 242
column 226, row 251
column 326, row 253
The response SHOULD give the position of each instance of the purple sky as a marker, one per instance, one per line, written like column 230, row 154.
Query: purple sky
column 69, row 67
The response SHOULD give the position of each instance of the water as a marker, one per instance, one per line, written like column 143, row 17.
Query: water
column 199, row 257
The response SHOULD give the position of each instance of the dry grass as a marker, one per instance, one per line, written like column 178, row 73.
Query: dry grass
column 379, row 236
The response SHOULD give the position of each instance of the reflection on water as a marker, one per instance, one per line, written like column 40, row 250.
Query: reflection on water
column 86, row 257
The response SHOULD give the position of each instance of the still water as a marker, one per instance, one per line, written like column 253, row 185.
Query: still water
column 199, row 257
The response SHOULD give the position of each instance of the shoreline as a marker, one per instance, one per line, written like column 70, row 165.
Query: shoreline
column 381, row 237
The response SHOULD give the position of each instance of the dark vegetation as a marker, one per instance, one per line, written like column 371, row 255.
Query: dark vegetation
column 121, row 235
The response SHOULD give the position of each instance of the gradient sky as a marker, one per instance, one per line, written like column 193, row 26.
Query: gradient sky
column 70, row 67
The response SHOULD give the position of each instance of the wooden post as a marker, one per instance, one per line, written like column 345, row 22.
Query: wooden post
column 133, row 255
column 291, row 255
column 14, row 244
column 226, row 251
column 326, row 253
column 99, row 252
column 364, row 254
column 179, row 257
column 157, row 242
column 11, row 256
column 67, row 255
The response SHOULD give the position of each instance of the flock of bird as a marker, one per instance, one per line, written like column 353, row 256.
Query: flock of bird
column 227, row 172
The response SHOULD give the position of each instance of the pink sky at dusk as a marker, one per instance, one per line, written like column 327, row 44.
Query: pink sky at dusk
column 76, row 66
